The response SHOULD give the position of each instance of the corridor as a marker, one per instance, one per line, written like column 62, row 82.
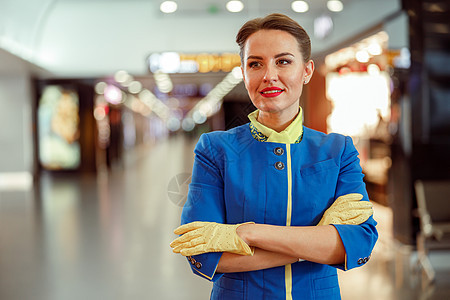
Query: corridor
column 107, row 236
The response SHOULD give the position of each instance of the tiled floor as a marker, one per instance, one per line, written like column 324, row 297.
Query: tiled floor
column 107, row 236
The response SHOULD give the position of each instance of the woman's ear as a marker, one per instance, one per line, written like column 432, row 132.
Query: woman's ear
column 309, row 70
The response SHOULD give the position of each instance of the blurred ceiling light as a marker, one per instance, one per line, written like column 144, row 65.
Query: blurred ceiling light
column 169, row 62
column 212, row 102
column 373, row 69
column 113, row 94
column 121, row 76
column 237, row 73
column 199, row 117
column 127, row 81
column 188, row 124
column 323, row 26
column 361, row 51
column 300, row 6
column 205, row 109
column 382, row 37
column 135, row 87
column 163, row 82
column 168, row 7
column 235, row 6
column 375, row 49
column 99, row 113
column 362, row 56
column 100, row 87
column 156, row 105
column 148, row 98
column 173, row 124
column 335, row 5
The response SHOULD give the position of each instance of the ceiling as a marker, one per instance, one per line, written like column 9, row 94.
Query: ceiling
column 85, row 38
column 217, row 7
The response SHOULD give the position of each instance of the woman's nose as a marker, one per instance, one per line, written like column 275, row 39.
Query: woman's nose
column 271, row 74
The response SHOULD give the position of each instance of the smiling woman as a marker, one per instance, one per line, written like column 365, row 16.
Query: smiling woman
column 274, row 208
column 274, row 72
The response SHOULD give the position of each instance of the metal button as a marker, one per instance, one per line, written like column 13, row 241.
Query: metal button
column 278, row 151
column 198, row 265
column 360, row 261
column 279, row 165
column 193, row 261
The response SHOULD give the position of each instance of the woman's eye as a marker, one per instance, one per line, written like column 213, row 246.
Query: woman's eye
column 283, row 62
column 254, row 64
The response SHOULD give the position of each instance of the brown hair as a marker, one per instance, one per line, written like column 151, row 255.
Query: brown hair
column 276, row 22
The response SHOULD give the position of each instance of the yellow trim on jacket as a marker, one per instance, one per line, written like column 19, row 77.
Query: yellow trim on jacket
column 291, row 135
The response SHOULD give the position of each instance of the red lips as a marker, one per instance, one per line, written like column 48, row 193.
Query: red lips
column 270, row 92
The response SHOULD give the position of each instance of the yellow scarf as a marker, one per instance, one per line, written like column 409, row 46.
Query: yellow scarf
column 291, row 135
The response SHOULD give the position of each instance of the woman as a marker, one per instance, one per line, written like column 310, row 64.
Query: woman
column 259, row 190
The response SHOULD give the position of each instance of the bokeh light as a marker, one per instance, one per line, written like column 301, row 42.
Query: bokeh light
column 335, row 5
column 300, row 6
column 168, row 7
column 235, row 6
column 113, row 94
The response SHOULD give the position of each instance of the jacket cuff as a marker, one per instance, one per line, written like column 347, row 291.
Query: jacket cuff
column 355, row 256
column 205, row 265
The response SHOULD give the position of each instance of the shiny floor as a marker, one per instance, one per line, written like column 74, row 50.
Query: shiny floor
column 107, row 236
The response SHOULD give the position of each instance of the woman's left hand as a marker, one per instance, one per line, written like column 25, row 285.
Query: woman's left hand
column 347, row 209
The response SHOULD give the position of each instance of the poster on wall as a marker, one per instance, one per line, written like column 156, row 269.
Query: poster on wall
column 58, row 123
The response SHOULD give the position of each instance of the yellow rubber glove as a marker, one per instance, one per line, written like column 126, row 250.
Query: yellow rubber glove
column 202, row 237
column 347, row 209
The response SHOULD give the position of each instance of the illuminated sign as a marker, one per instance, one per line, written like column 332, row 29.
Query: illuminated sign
column 59, row 132
column 173, row 62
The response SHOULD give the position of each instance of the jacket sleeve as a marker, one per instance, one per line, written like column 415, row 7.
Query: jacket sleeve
column 205, row 202
column 358, row 240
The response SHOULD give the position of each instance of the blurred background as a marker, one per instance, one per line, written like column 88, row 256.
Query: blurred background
column 102, row 102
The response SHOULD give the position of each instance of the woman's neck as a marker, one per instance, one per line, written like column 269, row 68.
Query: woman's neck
column 276, row 121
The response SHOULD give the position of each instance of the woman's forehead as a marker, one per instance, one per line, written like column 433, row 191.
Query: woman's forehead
column 271, row 43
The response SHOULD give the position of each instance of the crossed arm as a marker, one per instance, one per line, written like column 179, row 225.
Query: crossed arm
column 281, row 245
column 250, row 246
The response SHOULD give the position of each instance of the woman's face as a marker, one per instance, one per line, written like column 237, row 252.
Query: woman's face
column 274, row 71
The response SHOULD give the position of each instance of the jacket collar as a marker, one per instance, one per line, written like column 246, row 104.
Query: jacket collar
column 291, row 135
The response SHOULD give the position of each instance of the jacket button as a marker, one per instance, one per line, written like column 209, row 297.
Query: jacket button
column 278, row 151
column 198, row 265
column 193, row 261
column 279, row 165
column 360, row 261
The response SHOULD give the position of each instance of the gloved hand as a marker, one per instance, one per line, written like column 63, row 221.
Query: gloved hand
column 202, row 237
column 347, row 209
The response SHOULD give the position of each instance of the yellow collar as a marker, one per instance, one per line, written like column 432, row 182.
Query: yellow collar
column 291, row 135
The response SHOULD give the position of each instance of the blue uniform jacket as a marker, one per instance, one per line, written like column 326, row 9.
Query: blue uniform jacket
column 238, row 179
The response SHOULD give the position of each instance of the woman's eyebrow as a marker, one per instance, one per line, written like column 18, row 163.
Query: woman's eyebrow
column 284, row 54
column 276, row 56
column 254, row 57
